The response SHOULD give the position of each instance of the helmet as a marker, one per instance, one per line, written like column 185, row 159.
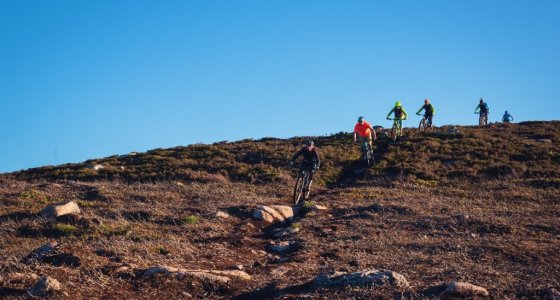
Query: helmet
column 481, row 100
column 309, row 143
column 361, row 118
column 426, row 100
column 506, row 112
column 398, row 104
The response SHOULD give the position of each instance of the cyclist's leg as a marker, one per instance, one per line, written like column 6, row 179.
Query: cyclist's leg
column 429, row 118
column 309, row 167
column 369, row 139
column 400, row 127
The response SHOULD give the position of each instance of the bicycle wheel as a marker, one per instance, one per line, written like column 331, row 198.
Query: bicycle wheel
column 394, row 132
column 422, row 125
column 369, row 156
column 298, row 189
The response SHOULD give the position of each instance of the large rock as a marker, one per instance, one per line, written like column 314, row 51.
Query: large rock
column 275, row 213
column 366, row 278
column 61, row 209
column 464, row 290
column 213, row 275
column 44, row 251
column 44, row 287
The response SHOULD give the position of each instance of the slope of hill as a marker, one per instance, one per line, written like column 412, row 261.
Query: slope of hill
column 526, row 150
column 461, row 204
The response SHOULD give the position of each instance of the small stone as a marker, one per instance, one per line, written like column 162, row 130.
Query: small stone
column 280, row 247
column 463, row 289
column 221, row 214
column 98, row 167
column 284, row 232
column 44, row 287
column 42, row 252
column 61, row 209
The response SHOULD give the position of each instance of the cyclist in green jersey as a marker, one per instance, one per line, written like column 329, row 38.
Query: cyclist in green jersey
column 400, row 115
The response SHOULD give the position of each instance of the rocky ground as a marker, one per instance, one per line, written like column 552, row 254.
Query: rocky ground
column 502, row 236
column 490, row 231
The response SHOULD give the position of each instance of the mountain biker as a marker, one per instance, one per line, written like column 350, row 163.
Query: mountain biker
column 400, row 115
column 364, row 130
column 429, row 111
column 507, row 117
column 482, row 108
column 311, row 160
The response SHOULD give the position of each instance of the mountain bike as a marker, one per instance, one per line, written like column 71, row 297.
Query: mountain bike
column 396, row 131
column 367, row 153
column 482, row 118
column 303, row 185
column 424, row 123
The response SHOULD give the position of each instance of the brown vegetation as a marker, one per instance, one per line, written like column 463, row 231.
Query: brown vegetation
column 480, row 206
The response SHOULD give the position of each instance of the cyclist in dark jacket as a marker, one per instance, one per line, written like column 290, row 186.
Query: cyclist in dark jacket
column 311, row 161
column 429, row 111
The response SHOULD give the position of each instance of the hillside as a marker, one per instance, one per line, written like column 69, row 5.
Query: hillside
column 526, row 150
column 468, row 204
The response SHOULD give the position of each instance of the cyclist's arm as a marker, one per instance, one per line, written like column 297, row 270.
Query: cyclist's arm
column 355, row 136
column 388, row 115
column 433, row 111
column 374, row 134
column 421, row 108
column 298, row 154
column 511, row 117
column 477, row 108
column 405, row 114
column 316, row 154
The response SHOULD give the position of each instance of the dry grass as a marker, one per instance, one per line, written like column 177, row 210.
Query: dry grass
column 498, row 230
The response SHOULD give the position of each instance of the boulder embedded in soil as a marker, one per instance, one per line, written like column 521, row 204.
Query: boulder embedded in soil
column 275, row 213
column 42, row 252
column 45, row 286
column 212, row 275
column 58, row 210
column 284, row 232
column 463, row 289
column 282, row 247
column 366, row 278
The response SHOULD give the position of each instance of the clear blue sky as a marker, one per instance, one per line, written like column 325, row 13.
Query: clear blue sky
column 89, row 79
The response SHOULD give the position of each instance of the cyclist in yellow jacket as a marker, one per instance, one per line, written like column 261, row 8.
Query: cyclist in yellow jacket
column 400, row 115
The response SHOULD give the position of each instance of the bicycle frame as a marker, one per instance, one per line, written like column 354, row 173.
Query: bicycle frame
column 303, row 186
column 396, row 131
